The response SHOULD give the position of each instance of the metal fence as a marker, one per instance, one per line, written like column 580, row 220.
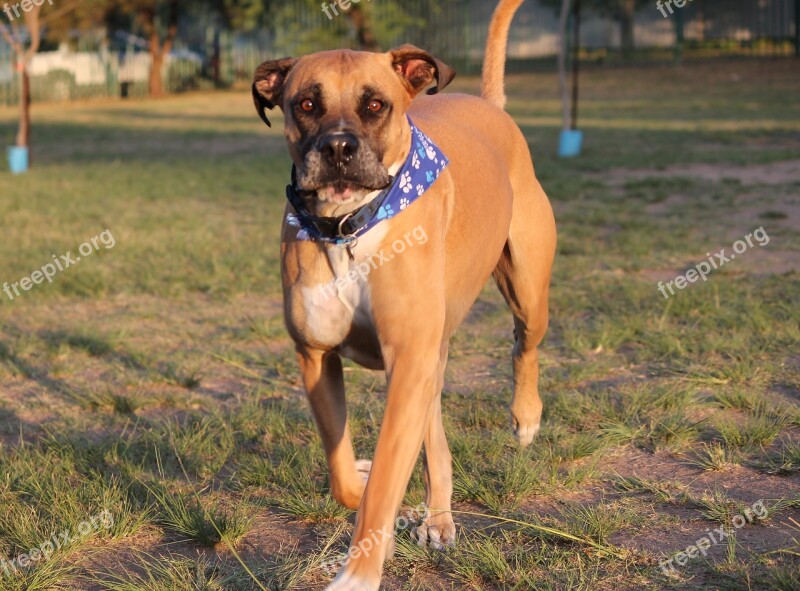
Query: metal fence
column 455, row 30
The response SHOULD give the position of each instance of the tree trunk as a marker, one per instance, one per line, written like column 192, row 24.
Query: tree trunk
column 24, row 132
column 364, row 34
column 158, row 52
column 156, row 82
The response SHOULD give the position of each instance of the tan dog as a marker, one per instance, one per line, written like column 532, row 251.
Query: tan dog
column 346, row 127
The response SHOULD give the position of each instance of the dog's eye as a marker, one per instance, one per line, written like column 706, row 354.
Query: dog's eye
column 375, row 106
column 307, row 105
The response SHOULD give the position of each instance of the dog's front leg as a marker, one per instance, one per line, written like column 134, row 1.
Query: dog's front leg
column 437, row 528
column 412, row 368
column 324, row 383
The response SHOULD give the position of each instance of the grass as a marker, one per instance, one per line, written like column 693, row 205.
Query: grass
column 185, row 515
column 752, row 434
column 714, row 457
column 596, row 522
column 783, row 461
column 163, row 574
column 156, row 379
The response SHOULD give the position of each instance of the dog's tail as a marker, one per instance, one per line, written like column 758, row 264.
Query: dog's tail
column 494, row 64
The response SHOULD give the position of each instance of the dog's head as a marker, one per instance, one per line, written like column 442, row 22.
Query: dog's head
column 344, row 112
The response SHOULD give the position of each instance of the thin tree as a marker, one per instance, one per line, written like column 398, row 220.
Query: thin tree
column 160, row 39
column 365, row 36
column 16, row 39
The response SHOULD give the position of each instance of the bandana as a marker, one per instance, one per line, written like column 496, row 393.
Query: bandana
column 423, row 166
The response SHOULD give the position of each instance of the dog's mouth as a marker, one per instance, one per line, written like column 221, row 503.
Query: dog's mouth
column 343, row 190
column 345, row 182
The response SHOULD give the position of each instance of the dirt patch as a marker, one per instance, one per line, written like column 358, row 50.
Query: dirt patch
column 776, row 173
column 739, row 483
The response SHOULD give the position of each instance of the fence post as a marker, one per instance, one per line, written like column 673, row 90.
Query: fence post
column 576, row 60
column 797, row 28
column 227, row 59
column 465, row 30
column 679, row 37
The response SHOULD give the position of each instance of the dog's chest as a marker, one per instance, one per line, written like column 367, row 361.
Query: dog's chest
column 333, row 310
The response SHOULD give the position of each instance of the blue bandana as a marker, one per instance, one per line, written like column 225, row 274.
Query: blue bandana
column 423, row 166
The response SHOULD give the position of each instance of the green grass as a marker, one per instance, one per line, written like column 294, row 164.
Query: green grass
column 783, row 461
column 183, row 514
column 163, row 574
column 156, row 380
column 752, row 434
column 596, row 522
column 714, row 457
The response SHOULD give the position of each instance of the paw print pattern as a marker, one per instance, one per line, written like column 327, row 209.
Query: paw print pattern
column 385, row 212
column 293, row 221
column 404, row 202
column 415, row 161
column 431, row 154
column 420, row 190
column 405, row 182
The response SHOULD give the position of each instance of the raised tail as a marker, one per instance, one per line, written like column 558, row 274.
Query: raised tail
column 494, row 62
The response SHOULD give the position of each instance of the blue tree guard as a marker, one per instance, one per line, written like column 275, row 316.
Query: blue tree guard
column 18, row 159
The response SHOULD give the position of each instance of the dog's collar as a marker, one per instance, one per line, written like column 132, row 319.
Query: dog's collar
column 331, row 229
column 423, row 166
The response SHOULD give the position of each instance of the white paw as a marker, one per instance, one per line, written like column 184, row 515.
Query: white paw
column 363, row 467
column 345, row 582
column 525, row 433
column 437, row 531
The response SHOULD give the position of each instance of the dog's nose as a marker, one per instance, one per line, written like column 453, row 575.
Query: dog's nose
column 339, row 148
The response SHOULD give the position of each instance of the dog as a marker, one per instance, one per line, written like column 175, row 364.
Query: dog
column 376, row 159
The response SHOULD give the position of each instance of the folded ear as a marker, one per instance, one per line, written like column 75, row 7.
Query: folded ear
column 268, row 85
column 419, row 69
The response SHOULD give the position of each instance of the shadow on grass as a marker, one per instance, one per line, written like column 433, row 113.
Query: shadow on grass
column 64, row 143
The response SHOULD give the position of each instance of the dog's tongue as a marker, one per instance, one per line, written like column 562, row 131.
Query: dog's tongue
column 342, row 192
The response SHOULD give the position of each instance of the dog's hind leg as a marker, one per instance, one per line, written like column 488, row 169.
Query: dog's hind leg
column 523, row 276
column 437, row 528
column 324, row 382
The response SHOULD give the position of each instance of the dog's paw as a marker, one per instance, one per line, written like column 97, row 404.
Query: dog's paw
column 437, row 531
column 525, row 433
column 363, row 468
column 345, row 582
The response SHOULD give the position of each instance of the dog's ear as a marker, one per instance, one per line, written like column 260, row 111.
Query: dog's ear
column 419, row 69
column 268, row 85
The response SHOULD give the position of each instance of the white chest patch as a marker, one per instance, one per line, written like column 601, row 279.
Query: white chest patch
column 331, row 309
